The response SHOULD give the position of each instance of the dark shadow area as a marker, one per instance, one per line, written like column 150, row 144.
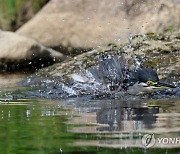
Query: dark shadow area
column 25, row 65
column 70, row 51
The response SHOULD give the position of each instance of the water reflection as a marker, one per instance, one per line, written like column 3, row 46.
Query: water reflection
column 128, row 117
column 123, row 118
column 48, row 127
column 124, row 123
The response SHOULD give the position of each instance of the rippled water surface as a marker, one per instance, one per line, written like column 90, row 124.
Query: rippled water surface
column 77, row 126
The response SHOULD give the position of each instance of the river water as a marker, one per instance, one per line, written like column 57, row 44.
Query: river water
column 81, row 126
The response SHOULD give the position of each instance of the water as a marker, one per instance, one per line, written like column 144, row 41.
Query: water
column 78, row 126
column 75, row 125
column 10, row 80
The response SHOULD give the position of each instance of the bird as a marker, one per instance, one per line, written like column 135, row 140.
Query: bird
column 113, row 71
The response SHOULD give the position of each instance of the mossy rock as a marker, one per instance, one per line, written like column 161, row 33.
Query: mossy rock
column 159, row 51
column 61, row 72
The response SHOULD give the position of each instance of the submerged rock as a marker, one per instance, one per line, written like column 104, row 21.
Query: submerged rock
column 81, row 25
column 18, row 52
column 73, row 77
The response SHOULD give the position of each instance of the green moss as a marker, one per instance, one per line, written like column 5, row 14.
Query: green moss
column 152, row 35
column 139, row 45
column 151, row 63
column 171, row 29
column 123, row 44
column 163, row 51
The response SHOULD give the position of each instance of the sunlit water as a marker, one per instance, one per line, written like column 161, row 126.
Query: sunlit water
column 77, row 126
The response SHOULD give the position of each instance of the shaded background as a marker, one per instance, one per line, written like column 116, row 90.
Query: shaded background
column 14, row 13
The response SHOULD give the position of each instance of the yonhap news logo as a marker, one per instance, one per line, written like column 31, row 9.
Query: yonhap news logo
column 149, row 140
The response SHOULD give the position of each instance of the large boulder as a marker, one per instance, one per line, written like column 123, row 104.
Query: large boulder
column 157, row 51
column 84, row 24
column 18, row 52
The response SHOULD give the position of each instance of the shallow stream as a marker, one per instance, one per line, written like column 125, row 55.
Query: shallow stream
column 81, row 126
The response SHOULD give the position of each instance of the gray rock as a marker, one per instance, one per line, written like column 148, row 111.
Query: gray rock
column 158, row 51
column 87, row 24
column 17, row 52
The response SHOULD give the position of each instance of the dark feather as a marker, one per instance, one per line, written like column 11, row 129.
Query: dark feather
column 143, row 75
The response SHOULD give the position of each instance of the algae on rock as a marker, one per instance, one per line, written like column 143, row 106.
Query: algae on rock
column 158, row 51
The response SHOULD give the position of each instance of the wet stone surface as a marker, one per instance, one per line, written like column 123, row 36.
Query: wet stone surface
column 157, row 51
